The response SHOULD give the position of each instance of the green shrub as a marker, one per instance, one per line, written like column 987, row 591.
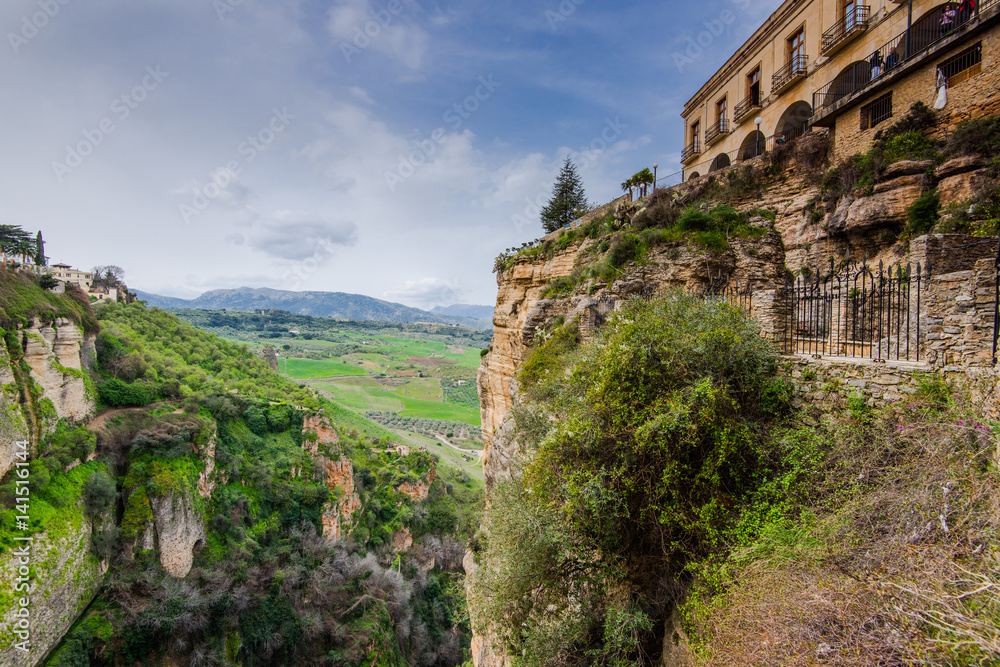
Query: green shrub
column 627, row 248
column 99, row 494
column 118, row 393
column 910, row 145
column 922, row 215
column 975, row 137
column 646, row 440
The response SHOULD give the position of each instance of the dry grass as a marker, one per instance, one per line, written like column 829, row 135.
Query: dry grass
column 899, row 566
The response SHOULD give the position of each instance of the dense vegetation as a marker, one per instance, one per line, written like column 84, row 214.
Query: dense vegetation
column 664, row 470
column 266, row 586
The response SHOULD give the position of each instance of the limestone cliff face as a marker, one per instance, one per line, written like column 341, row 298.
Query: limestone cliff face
column 54, row 357
column 53, row 354
column 66, row 577
column 317, row 431
column 418, row 491
column 13, row 424
column 338, row 513
column 180, row 531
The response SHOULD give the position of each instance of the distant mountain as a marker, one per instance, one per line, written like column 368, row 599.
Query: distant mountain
column 465, row 310
column 337, row 305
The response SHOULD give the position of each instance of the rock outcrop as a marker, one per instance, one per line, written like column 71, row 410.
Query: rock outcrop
column 13, row 425
column 180, row 531
column 338, row 512
column 804, row 234
column 316, row 431
column 53, row 354
column 65, row 576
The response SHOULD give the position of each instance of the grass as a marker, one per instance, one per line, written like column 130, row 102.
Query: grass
column 303, row 369
column 450, row 458
column 425, row 398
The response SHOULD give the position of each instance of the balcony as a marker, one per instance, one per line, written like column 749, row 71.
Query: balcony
column 692, row 150
column 746, row 108
column 846, row 30
column 717, row 132
column 795, row 69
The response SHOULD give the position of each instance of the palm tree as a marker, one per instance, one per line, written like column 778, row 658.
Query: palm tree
column 643, row 180
column 11, row 236
column 628, row 185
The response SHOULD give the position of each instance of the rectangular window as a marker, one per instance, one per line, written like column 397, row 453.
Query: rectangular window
column 963, row 66
column 753, row 87
column 695, row 135
column 849, row 12
column 720, row 109
column 876, row 111
column 797, row 47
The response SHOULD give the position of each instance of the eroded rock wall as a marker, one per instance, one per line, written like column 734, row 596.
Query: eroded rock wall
column 180, row 531
column 339, row 512
column 66, row 578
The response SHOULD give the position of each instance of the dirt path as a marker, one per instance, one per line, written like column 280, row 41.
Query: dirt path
column 98, row 421
column 474, row 452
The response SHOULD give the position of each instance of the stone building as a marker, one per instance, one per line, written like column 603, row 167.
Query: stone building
column 67, row 274
column 844, row 66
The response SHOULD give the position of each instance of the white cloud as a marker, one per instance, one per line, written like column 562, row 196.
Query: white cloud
column 426, row 292
column 358, row 26
column 295, row 235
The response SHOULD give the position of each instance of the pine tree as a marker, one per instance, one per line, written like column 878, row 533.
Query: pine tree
column 39, row 250
column 568, row 199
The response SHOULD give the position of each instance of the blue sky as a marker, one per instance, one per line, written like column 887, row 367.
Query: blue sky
column 206, row 144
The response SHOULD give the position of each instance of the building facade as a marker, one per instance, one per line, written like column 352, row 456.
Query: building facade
column 847, row 67
column 67, row 274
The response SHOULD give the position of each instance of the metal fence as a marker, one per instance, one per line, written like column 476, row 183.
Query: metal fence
column 857, row 311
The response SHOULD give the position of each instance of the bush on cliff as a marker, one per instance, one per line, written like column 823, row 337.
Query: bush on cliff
column 645, row 446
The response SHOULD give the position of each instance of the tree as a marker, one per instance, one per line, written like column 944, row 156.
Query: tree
column 628, row 185
column 109, row 276
column 12, row 239
column 643, row 180
column 568, row 201
column 40, row 258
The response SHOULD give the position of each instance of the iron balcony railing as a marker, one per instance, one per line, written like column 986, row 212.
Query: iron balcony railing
column 853, row 23
column 856, row 311
column 796, row 67
column 910, row 45
column 748, row 105
column 690, row 151
column 717, row 131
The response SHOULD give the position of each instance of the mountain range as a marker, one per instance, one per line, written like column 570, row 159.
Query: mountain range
column 337, row 305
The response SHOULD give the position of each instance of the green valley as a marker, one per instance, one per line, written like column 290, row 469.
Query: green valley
column 424, row 371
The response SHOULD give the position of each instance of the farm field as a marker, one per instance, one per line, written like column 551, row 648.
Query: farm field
column 414, row 398
column 421, row 371
column 450, row 458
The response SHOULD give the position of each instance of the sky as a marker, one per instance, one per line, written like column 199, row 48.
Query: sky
column 388, row 148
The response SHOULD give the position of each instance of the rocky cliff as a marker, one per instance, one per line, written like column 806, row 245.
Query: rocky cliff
column 41, row 380
column 339, row 510
column 63, row 575
column 807, row 231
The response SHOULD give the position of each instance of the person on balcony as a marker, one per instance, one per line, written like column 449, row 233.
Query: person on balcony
column 947, row 19
column 876, row 62
column 965, row 10
column 892, row 60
